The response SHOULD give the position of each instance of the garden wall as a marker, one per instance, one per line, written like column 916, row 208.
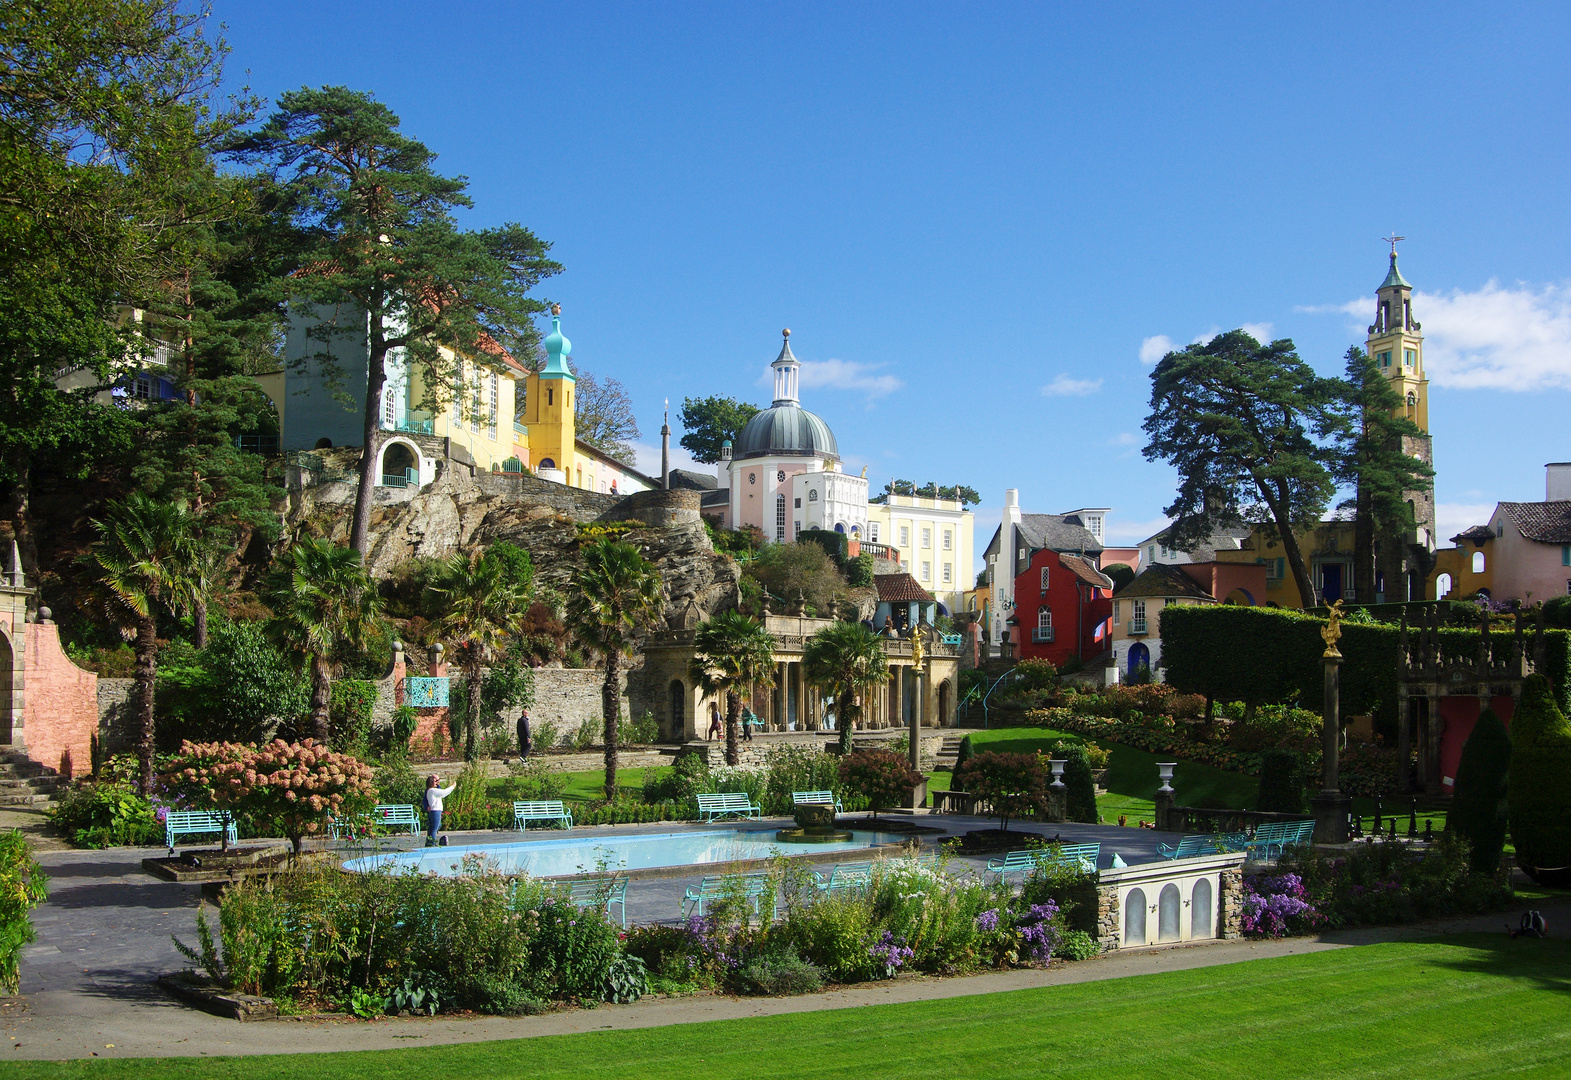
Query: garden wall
column 1116, row 888
column 60, row 705
column 1268, row 656
column 116, row 727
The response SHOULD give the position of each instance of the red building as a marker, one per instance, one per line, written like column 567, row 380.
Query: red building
column 1063, row 607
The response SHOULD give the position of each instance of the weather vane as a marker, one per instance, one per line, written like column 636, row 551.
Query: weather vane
column 1392, row 239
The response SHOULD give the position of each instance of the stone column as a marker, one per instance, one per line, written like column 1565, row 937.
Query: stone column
column 800, row 683
column 1407, row 707
column 900, row 696
column 783, row 696
column 914, row 730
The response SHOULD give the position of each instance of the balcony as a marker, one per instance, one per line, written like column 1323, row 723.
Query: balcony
column 1137, row 626
column 417, row 423
column 1042, row 635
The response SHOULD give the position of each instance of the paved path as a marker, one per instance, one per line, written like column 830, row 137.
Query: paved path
column 104, row 935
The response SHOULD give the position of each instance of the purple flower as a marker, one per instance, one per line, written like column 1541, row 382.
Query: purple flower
column 892, row 952
column 1269, row 902
column 987, row 922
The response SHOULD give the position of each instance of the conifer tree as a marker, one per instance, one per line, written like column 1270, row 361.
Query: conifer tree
column 1479, row 810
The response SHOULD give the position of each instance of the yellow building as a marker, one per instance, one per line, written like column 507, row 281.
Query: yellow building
column 934, row 538
column 1328, row 551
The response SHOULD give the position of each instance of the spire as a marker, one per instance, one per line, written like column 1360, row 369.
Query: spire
column 1394, row 278
column 787, row 370
column 558, row 349
column 665, row 448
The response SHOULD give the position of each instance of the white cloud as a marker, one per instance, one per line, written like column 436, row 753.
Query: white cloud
column 646, row 459
column 1154, row 348
column 1494, row 338
column 848, row 375
column 1123, row 438
column 1064, row 386
column 1262, row 332
column 1452, row 518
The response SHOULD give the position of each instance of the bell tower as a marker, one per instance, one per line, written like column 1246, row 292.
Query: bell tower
column 1396, row 345
column 548, row 408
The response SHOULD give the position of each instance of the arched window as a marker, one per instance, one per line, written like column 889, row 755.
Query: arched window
column 1478, row 562
column 1442, row 586
column 547, row 463
column 1135, row 917
column 1200, row 909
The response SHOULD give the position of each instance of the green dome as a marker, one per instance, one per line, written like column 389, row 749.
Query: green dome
column 786, row 431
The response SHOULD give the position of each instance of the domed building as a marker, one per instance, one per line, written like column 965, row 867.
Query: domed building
column 783, row 474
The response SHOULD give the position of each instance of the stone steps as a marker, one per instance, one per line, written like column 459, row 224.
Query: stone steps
column 24, row 782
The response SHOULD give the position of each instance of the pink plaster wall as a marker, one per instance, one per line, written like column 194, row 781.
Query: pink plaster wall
column 1459, row 715
column 1523, row 566
column 60, row 705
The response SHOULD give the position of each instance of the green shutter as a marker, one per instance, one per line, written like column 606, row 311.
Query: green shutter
column 1281, row 567
column 1565, row 554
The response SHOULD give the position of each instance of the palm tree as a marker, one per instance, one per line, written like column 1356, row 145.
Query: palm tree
column 482, row 607
column 617, row 594
column 323, row 603
column 733, row 651
column 846, row 661
column 144, row 550
column 207, row 572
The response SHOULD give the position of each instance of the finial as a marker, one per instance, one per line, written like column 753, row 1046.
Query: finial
column 786, row 332
column 1392, row 240
column 556, row 309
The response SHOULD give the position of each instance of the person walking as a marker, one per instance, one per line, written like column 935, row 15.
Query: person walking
column 526, row 742
column 433, row 807
column 714, row 722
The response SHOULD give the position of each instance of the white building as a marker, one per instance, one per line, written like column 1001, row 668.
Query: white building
column 934, row 538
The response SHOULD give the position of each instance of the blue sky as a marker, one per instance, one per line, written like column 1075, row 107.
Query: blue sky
column 978, row 218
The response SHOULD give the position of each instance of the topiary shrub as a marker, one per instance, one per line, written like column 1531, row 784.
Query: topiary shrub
column 1540, row 785
column 1282, row 781
column 1478, row 807
column 1080, row 805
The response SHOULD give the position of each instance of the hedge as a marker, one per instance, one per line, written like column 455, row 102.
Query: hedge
column 836, row 545
column 1268, row 656
column 1478, row 803
column 1539, row 798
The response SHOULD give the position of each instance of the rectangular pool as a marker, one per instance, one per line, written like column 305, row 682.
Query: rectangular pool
column 583, row 855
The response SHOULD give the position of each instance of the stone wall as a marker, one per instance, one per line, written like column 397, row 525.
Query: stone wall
column 116, row 727
column 60, row 707
column 1231, row 892
column 755, row 751
column 567, row 697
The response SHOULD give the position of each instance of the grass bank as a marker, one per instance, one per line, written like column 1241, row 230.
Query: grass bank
column 1463, row 1006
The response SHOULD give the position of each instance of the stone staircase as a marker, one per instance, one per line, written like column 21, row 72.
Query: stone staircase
column 949, row 753
column 24, row 782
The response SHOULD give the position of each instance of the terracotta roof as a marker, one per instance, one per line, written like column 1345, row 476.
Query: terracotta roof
column 1163, row 579
column 1477, row 534
column 1087, row 573
column 900, row 588
column 1546, row 522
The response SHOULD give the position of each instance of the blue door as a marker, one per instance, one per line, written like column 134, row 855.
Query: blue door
column 1331, row 582
column 1139, row 657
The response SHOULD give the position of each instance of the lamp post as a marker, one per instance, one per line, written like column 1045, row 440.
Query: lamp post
column 1331, row 807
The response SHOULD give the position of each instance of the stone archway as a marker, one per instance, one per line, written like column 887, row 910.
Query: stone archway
column 9, row 710
column 400, row 464
column 945, row 704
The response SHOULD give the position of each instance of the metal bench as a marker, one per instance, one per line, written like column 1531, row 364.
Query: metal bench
column 601, row 892
column 194, row 822
column 817, row 798
column 1277, row 835
column 747, row 886
column 1023, row 862
column 389, row 815
column 752, row 720
column 1204, row 844
column 541, row 810
column 846, row 876
column 726, row 803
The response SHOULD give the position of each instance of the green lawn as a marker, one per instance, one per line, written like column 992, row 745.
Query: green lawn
column 1469, row 1005
column 1132, row 779
column 589, row 786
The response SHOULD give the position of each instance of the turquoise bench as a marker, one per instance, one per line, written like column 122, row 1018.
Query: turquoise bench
column 751, row 887
column 846, row 876
column 725, row 804
column 1277, row 835
column 600, row 892
column 752, row 720
column 390, row 815
column 526, row 811
column 197, row 822
column 1023, row 862
column 816, row 798
column 1204, row 844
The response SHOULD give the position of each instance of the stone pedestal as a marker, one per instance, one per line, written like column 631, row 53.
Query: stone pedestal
column 918, row 797
column 1164, row 803
column 1331, row 810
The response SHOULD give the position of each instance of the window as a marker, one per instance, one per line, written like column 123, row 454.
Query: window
column 1385, row 358
column 798, row 504
column 390, row 407
column 905, row 536
column 1044, row 579
column 1044, row 618
column 780, row 476
column 1096, row 526
column 491, row 423
column 927, row 538
column 872, row 532
column 550, row 395
column 780, row 517
column 797, row 535
column 1412, row 399
column 1478, row 562
column 1137, row 617
column 1500, row 526
column 1151, row 553
column 1410, row 357
column 458, row 396
column 949, row 540
column 1565, row 554
column 1116, row 604
column 1271, row 570
column 1442, row 586
column 927, row 571
column 948, row 574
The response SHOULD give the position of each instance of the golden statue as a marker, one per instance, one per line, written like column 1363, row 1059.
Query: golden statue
column 1331, row 632
column 918, row 654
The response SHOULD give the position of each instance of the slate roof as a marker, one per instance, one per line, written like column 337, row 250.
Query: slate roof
column 1087, row 573
column 786, row 431
column 1164, row 580
column 718, row 497
column 900, row 588
column 1058, row 532
column 1546, row 522
column 691, row 480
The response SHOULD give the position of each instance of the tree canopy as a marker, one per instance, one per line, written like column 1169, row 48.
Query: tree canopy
column 603, row 415
column 1247, row 426
column 710, row 421
column 960, row 493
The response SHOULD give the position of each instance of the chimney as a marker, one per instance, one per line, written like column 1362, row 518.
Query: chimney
column 1557, row 481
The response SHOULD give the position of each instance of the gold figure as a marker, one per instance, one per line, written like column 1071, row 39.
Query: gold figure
column 1331, row 632
column 917, row 653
